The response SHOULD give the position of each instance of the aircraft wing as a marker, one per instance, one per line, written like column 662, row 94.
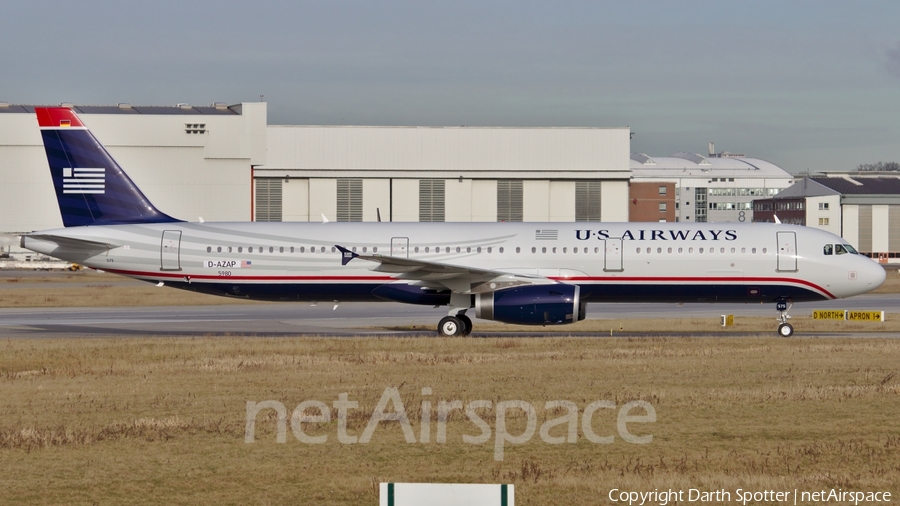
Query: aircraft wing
column 457, row 278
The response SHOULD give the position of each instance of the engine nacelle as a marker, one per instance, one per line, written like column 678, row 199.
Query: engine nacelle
column 556, row 304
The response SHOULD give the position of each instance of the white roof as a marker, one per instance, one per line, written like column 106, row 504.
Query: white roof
column 695, row 165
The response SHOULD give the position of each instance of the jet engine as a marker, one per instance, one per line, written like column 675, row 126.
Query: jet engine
column 556, row 304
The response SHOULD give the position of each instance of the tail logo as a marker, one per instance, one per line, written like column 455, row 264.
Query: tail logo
column 84, row 180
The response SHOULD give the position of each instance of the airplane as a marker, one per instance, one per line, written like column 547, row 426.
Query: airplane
column 518, row 273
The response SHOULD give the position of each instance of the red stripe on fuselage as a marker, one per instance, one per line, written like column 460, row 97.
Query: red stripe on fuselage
column 603, row 279
column 670, row 279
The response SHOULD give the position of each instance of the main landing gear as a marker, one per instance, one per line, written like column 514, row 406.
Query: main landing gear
column 784, row 328
column 458, row 325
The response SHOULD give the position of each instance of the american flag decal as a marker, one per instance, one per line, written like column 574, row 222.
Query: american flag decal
column 546, row 235
column 84, row 180
column 245, row 264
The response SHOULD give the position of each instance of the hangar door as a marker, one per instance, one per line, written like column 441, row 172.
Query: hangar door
column 787, row 251
column 170, row 251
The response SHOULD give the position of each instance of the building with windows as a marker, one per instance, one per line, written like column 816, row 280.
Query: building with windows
column 652, row 202
column 719, row 187
column 861, row 207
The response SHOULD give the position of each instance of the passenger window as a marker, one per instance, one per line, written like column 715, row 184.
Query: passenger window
column 292, row 249
column 477, row 250
column 250, row 249
column 533, row 249
column 353, row 249
column 209, row 249
column 426, row 249
column 240, row 249
column 659, row 250
column 544, row 249
column 700, row 250
column 272, row 249
column 829, row 249
column 375, row 249
column 229, row 249
column 489, row 249
column 839, row 250
column 753, row 250
column 554, row 250
column 416, row 249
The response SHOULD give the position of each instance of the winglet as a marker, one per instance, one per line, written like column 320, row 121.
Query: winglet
column 776, row 219
column 346, row 255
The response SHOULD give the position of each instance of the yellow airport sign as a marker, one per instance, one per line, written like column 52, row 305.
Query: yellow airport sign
column 727, row 320
column 866, row 316
column 830, row 314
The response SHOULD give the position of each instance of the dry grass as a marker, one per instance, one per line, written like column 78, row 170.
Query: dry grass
column 151, row 421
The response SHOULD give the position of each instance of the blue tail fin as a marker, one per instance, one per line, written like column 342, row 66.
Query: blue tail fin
column 91, row 188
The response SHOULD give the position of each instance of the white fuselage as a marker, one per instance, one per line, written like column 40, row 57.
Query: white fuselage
column 610, row 261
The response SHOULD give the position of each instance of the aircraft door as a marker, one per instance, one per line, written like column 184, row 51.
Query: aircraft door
column 400, row 247
column 612, row 254
column 170, row 251
column 787, row 251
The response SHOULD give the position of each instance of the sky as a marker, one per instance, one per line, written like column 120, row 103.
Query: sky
column 807, row 85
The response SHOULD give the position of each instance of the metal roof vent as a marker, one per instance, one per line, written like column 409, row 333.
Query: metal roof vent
column 221, row 106
column 182, row 105
column 692, row 157
column 68, row 105
column 4, row 104
column 124, row 106
column 642, row 159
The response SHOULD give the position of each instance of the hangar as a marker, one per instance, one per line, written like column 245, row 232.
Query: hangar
column 718, row 187
column 225, row 163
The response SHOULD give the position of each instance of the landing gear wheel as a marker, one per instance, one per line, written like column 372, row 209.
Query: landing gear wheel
column 467, row 324
column 451, row 326
column 785, row 330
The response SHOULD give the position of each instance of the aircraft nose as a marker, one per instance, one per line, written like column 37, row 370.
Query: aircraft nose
column 875, row 275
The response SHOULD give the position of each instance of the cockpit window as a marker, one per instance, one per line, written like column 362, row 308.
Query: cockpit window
column 829, row 249
column 839, row 249
column 851, row 249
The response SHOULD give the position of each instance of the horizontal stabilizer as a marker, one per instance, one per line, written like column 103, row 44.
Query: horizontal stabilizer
column 69, row 242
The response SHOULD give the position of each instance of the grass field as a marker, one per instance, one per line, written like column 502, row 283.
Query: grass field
column 162, row 420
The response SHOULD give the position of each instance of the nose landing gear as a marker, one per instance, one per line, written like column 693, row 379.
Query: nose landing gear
column 784, row 328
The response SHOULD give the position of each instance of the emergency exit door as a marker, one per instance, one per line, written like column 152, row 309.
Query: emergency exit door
column 612, row 254
column 400, row 247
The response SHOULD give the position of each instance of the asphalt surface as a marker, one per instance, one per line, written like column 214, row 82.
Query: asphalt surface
column 352, row 319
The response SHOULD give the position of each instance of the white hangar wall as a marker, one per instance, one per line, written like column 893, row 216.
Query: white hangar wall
column 186, row 175
column 443, row 174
